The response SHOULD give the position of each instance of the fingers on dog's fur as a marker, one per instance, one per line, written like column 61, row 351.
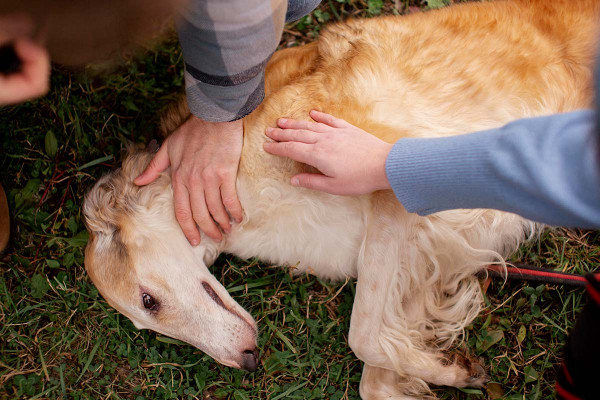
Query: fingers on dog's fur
column 231, row 201
column 217, row 209
column 200, row 215
column 183, row 213
column 328, row 119
column 302, row 125
column 315, row 182
column 296, row 135
column 300, row 152
column 159, row 163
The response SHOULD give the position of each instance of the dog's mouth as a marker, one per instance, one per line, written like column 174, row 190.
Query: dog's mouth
column 249, row 361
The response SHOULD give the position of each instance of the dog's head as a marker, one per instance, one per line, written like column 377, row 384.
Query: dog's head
column 141, row 263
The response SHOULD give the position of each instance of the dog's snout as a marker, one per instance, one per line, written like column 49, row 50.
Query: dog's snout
column 213, row 295
column 250, row 360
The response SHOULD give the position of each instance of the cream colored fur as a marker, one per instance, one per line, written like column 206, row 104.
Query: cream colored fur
column 461, row 69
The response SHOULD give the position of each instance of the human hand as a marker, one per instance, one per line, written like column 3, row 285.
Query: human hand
column 204, row 158
column 351, row 161
column 32, row 79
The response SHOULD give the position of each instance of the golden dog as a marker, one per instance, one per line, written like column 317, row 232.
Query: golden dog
column 465, row 68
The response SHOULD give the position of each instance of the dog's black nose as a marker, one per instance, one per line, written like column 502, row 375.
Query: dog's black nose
column 250, row 360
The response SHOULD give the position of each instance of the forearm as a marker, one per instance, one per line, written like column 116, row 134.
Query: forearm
column 226, row 45
column 546, row 169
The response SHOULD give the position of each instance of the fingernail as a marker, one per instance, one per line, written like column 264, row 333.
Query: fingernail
column 295, row 181
column 194, row 242
column 269, row 130
column 239, row 220
column 282, row 120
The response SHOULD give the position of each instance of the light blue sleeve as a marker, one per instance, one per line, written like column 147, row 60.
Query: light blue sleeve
column 546, row 169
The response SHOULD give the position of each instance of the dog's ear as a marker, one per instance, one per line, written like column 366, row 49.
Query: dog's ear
column 106, row 257
column 153, row 146
column 130, row 148
column 115, row 194
column 134, row 164
column 100, row 207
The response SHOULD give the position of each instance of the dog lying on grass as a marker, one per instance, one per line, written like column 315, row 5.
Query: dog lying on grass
column 461, row 69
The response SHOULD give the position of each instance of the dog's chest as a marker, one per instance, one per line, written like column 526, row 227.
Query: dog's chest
column 312, row 232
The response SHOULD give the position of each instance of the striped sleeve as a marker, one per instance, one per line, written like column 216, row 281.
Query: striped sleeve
column 226, row 45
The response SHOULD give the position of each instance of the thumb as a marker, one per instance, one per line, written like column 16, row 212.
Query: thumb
column 159, row 163
column 315, row 182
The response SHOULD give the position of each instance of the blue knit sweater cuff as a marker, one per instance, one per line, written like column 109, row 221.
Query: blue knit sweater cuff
column 434, row 174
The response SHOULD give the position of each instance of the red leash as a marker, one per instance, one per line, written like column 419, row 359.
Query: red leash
column 536, row 274
column 577, row 378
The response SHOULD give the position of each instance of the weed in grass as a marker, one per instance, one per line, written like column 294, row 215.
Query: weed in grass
column 59, row 338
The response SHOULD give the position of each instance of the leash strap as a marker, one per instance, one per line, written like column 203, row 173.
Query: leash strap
column 536, row 274
column 577, row 377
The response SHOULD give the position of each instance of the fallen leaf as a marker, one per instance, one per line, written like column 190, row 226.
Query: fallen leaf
column 494, row 391
column 522, row 333
column 491, row 339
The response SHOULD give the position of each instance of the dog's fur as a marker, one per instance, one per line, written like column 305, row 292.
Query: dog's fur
column 465, row 68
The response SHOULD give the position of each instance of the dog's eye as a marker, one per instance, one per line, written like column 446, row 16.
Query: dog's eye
column 149, row 302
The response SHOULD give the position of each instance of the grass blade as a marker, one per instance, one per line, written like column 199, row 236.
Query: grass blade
column 89, row 360
column 95, row 162
column 290, row 390
column 281, row 336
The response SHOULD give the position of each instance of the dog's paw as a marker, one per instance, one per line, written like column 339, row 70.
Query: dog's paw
column 475, row 373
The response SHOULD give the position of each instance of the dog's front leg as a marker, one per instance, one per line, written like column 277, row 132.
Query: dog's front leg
column 382, row 384
column 367, row 314
column 377, row 265
column 381, row 330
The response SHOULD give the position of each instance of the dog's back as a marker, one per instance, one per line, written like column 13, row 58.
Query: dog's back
column 457, row 70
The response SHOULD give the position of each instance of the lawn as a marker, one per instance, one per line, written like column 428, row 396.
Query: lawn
column 60, row 339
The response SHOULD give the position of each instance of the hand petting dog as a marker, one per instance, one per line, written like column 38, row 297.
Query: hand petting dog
column 204, row 159
column 351, row 161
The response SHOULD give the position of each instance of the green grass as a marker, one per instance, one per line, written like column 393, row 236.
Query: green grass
column 59, row 338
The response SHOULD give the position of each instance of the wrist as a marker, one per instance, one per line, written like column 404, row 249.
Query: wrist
column 381, row 180
column 225, row 127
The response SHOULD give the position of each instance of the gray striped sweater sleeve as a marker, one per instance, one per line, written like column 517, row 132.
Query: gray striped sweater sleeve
column 226, row 45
